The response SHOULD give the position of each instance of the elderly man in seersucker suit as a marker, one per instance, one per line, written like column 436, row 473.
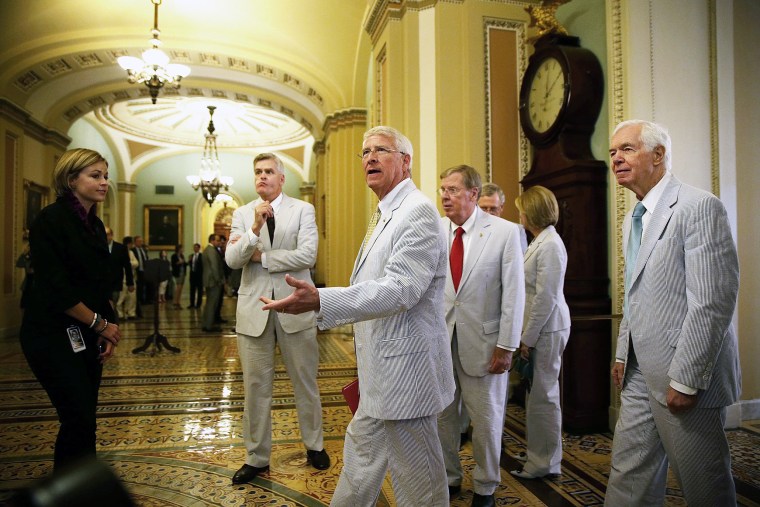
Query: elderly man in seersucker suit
column 270, row 237
column 395, row 302
column 677, row 358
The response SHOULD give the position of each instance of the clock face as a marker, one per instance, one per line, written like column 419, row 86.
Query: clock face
column 547, row 95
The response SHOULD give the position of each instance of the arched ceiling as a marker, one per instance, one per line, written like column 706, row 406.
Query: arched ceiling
column 274, row 68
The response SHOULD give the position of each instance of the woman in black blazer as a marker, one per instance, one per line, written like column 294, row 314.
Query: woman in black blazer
column 69, row 328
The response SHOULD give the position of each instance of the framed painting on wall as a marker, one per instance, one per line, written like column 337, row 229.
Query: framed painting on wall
column 35, row 198
column 163, row 226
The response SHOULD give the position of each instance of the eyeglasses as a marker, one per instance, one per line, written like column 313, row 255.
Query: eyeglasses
column 452, row 191
column 380, row 150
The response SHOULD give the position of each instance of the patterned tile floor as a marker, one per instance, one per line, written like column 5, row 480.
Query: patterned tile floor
column 169, row 425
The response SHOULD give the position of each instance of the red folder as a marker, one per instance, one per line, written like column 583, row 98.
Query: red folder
column 351, row 394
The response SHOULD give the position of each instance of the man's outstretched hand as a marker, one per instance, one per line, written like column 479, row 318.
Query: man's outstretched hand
column 305, row 298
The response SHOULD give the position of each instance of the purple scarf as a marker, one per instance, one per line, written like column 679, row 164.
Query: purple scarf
column 89, row 219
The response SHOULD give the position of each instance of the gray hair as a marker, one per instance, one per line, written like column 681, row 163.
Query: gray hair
column 491, row 189
column 651, row 136
column 400, row 141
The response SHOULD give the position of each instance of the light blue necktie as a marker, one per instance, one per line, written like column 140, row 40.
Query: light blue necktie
column 634, row 242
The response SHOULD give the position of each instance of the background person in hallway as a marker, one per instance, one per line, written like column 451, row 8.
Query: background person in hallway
column 484, row 298
column 69, row 314
column 491, row 201
column 179, row 269
column 272, row 236
column 119, row 266
column 196, row 277
column 126, row 305
column 221, row 248
column 395, row 302
column 213, row 282
column 24, row 262
column 677, row 358
column 140, row 283
column 545, row 331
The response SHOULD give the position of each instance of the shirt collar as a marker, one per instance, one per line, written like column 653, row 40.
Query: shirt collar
column 385, row 203
column 468, row 224
column 276, row 203
column 653, row 196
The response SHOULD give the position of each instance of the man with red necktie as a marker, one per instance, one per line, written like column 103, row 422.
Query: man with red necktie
column 484, row 300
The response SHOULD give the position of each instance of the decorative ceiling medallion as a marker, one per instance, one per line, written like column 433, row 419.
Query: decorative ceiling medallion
column 177, row 120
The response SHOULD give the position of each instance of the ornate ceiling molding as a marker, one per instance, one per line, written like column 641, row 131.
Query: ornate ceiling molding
column 100, row 65
column 32, row 127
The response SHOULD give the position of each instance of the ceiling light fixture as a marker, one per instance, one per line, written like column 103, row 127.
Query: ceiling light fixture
column 210, row 179
column 154, row 69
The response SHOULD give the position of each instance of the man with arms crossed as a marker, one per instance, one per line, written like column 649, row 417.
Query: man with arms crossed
column 677, row 358
column 485, row 298
column 395, row 302
column 272, row 236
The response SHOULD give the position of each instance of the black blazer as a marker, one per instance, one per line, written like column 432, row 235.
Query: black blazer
column 71, row 266
column 196, row 272
column 119, row 265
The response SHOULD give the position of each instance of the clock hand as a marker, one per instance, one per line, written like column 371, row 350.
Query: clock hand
column 556, row 78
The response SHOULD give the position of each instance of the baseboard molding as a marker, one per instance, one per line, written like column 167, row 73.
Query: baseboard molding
column 742, row 410
column 750, row 409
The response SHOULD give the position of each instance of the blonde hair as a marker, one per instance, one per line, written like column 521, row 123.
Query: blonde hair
column 540, row 207
column 71, row 163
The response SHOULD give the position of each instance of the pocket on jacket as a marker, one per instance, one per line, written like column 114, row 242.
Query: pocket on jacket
column 403, row 346
column 492, row 326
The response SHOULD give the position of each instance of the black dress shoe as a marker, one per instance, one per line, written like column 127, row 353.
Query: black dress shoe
column 318, row 459
column 482, row 500
column 454, row 492
column 247, row 473
column 211, row 329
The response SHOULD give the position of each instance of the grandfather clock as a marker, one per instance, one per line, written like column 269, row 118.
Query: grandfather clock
column 560, row 100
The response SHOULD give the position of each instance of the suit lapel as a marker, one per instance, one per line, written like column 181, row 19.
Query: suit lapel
column 284, row 215
column 535, row 244
column 480, row 234
column 659, row 221
column 385, row 219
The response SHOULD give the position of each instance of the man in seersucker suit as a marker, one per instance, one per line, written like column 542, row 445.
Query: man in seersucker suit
column 484, row 298
column 395, row 302
column 272, row 236
column 677, row 358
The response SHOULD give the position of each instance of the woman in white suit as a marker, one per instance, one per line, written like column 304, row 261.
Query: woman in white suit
column 546, row 328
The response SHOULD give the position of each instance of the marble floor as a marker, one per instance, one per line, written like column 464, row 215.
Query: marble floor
column 169, row 425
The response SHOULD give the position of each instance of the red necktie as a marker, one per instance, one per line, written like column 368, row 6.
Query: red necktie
column 457, row 257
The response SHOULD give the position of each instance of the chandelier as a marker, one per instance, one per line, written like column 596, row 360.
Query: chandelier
column 153, row 69
column 210, row 179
